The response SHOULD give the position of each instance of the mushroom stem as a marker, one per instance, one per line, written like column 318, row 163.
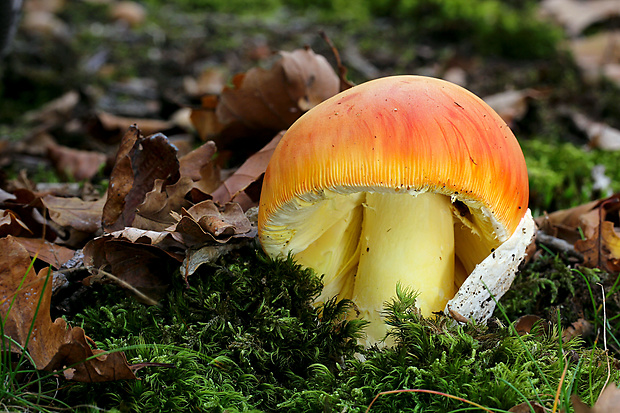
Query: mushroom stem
column 407, row 240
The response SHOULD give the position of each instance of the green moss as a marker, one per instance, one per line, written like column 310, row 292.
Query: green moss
column 551, row 282
column 561, row 174
column 243, row 336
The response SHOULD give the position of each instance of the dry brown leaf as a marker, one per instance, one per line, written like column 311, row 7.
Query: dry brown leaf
column 211, row 81
column 205, row 120
column 10, row 224
column 608, row 402
column 155, row 213
column 51, row 345
column 75, row 164
column 601, row 248
column 565, row 223
column 139, row 162
column 263, row 102
column 199, row 165
column 526, row 407
column 55, row 112
column 577, row 15
column 250, row 172
column 581, row 327
column 205, row 223
column 75, row 213
column 27, row 206
column 52, row 254
column 147, row 268
column 273, row 99
column 525, row 324
column 119, row 123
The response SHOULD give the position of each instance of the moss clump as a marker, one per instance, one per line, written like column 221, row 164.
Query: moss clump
column 242, row 334
column 561, row 174
column 551, row 283
column 490, row 366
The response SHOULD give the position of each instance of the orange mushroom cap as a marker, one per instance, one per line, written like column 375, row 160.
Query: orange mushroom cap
column 409, row 133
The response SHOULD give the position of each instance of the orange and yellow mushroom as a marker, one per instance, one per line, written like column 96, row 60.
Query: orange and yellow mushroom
column 403, row 179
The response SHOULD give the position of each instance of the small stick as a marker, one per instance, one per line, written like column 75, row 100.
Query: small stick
column 558, row 244
column 148, row 300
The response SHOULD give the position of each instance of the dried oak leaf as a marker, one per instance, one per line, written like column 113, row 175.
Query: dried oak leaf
column 526, row 323
column 270, row 100
column 74, row 163
column 600, row 135
column 75, row 213
column 249, row 174
column 198, row 165
column 27, row 206
column 581, row 327
column 205, row 222
column 155, row 213
column 273, row 99
column 110, row 128
column 598, row 55
column 603, row 249
column 50, row 253
column 51, row 345
column 565, row 223
column 139, row 162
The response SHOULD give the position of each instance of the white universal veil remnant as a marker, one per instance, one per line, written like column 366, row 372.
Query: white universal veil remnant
column 404, row 179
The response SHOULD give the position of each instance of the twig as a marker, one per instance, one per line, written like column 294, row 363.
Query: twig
column 342, row 70
column 148, row 300
column 558, row 244
column 428, row 392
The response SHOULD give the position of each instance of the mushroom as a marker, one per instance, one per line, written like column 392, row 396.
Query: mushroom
column 403, row 179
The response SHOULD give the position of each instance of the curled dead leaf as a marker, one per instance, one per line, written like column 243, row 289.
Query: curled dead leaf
column 249, row 173
column 273, row 99
column 265, row 101
column 75, row 213
column 25, row 299
column 206, row 222
column 139, row 162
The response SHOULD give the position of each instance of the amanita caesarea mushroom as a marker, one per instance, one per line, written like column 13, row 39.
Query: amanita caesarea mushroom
column 404, row 179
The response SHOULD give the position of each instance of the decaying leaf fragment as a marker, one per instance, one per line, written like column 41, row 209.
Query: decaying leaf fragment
column 139, row 162
column 205, row 222
column 247, row 177
column 597, row 222
column 267, row 100
column 608, row 402
column 52, row 346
